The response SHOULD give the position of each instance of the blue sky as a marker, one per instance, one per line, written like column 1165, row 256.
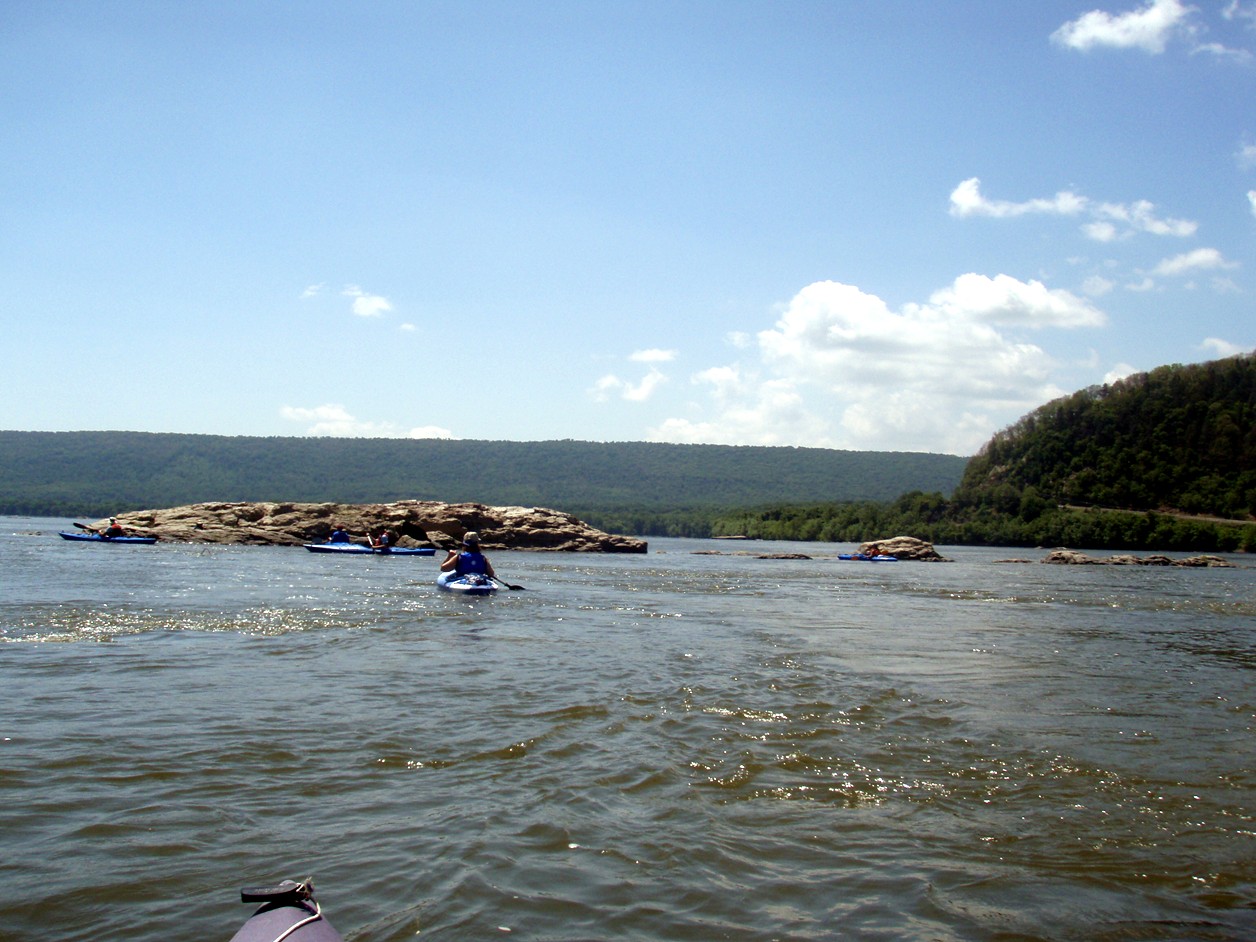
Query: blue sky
column 887, row 225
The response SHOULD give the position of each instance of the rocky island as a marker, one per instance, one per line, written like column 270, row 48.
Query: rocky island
column 416, row 522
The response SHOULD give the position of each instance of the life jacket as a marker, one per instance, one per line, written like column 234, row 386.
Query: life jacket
column 469, row 563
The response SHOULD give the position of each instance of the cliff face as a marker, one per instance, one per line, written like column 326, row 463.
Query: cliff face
column 418, row 523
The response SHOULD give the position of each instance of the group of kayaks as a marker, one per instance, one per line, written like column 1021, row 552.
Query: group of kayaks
column 471, row 584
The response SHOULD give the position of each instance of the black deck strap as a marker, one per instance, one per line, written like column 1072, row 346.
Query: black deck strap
column 288, row 891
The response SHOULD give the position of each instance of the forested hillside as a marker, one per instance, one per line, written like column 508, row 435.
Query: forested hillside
column 100, row 472
column 1162, row 460
column 1180, row 438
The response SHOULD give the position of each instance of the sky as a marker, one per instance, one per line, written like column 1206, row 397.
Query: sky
column 891, row 225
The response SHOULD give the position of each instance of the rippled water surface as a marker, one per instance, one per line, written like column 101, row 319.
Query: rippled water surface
column 678, row 745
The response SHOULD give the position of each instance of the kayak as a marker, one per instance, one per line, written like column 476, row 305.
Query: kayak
column 350, row 549
column 289, row 911
column 470, row 584
column 97, row 538
column 868, row 559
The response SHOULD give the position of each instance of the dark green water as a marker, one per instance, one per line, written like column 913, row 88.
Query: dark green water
column 670, row 746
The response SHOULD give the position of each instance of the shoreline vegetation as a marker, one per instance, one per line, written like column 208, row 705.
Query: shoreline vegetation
column 1161, row 461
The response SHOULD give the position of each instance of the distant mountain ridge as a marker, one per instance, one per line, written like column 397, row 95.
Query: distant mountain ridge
column 101, row 472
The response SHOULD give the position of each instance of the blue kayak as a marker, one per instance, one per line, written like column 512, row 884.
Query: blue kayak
column 470, row 584
column 868, row 559
column 97, row 538
column 350, row 549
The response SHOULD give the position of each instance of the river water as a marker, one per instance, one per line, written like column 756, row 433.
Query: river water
column 672, row 746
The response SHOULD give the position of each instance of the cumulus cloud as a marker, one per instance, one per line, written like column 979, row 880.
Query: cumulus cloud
column 429, row 431
column 1097, row 286
column 611, row 385
column 335, row 421
column 1148, row 28
column 967, row 200
column 840, row 368
column 653, row 356
column 1119, row 372
column 365, row 304
column 1222, row 348
column 1197, row 260
column 1108, row 221
column 1006, row 300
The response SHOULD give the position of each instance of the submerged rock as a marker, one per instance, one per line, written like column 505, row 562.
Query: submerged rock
column 417, row 523
column 1068, row 557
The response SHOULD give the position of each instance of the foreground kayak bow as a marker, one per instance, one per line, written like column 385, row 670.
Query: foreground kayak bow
column 289, row 913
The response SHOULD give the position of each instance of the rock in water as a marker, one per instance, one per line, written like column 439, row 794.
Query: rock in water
column 417, row 523
column 903, row 547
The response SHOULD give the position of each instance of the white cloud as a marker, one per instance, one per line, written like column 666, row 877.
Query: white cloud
column 1196, row 260
column 1119, row 372
column 1148, row 28
column 1097, row 286
column 967, row 200
column 1109, row 221
column 1251, row 198
column 611, row 385
column 335, row 421
column 1006, row 300
column 1139, row 217
column 841, row 369
column 406, row 327
column 653, row 356
column 364, row 304
column 313, row 291
column 429, row 431
column 1222, row 348
column 1247, row 156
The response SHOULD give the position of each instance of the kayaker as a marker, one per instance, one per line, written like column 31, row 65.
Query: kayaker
column 468, row 560
column 338, row 534
column 114, row 529
column 384, row 541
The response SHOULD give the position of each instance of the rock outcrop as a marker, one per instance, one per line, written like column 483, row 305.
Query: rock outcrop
column 417, row 523
column 903, row 547
column 1068, row 557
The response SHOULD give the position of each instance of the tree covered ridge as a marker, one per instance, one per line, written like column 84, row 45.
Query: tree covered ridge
column 1178, row 438
column 103, row 472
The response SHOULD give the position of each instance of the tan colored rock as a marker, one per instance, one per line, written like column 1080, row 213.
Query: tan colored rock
column 417, row 523
column 903, row 547
column 1074, row 558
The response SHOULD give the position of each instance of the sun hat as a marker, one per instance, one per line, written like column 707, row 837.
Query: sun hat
column 471, row 538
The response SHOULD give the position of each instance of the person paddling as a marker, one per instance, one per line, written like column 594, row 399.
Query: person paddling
column 338, row 534
column 468, row 560
column 114, row 529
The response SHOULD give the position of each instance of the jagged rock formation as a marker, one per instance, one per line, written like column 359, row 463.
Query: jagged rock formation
column 903, row 547
column 417, row 523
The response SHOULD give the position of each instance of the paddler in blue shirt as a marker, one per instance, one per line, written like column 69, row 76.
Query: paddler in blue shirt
column 468, row 560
